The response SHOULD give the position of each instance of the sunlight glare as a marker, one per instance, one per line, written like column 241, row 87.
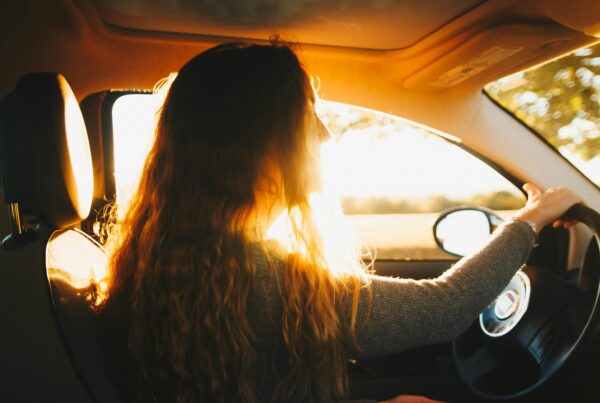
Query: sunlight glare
column 371, row 156
column 398, row 160
column 74, row 259
column 79, row 152
column 134, row 121
column 341, row 244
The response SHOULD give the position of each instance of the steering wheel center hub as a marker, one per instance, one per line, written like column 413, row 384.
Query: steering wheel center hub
column 507, row 310
column 506, row 304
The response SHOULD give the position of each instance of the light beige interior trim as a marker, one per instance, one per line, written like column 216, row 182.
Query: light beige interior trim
column 70, row 37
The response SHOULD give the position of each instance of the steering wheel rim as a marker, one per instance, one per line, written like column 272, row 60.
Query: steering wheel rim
column 558, row 321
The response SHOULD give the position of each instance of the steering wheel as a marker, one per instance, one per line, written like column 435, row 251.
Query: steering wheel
column 534, row 328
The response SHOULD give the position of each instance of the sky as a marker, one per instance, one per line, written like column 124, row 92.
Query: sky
column 400, row 160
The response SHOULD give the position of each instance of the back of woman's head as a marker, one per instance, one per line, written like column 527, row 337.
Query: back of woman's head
column 232, row 129
column 229, row 109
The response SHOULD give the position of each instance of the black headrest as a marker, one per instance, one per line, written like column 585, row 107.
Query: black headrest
column 45, row 159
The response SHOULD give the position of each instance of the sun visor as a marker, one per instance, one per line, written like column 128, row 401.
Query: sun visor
column 46, row 164
column 582, row 15
column 497, row 49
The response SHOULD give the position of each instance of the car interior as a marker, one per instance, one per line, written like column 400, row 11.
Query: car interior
column 66, row 63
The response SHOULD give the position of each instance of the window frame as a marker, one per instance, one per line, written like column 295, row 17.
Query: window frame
column 109, row 97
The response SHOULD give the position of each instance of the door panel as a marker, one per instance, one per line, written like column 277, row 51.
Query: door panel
column 417, row 269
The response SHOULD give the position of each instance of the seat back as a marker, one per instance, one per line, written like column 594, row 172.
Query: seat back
column 75, row 265
column 34, row 360
column 49, row 337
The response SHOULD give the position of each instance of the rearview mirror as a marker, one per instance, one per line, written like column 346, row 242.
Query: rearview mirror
column 461, row 231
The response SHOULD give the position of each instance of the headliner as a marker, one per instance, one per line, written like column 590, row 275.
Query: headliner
column 485, row 42
column 368, row 24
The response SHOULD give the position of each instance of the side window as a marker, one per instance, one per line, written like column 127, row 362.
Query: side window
column 133, row 117
column 392, row 178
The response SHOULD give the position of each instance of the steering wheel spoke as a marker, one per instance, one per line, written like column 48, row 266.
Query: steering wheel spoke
column 554, row 341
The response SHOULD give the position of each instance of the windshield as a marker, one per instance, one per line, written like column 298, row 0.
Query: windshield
column 560, row 100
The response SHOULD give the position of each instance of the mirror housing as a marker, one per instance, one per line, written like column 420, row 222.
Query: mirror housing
column 463, row 230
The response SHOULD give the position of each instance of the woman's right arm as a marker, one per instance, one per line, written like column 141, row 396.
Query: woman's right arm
column 398, row 314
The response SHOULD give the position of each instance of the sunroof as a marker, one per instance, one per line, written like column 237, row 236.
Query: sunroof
column 371, row 24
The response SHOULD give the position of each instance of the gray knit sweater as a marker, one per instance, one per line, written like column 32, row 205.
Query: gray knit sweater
column 407, row 313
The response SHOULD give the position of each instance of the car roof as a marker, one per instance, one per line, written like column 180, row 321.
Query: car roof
column 365, row 24
column 437, row 45
column 439, row 60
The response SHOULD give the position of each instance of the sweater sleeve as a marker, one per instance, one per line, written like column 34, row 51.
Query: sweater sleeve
column 397, row 314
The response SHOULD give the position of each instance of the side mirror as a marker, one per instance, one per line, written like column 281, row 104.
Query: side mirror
column 461, row 231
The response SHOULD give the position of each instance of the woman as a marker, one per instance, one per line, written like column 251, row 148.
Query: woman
column 201, row 308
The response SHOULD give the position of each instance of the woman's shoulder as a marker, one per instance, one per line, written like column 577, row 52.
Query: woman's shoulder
column 268, row 255
column 265, row 300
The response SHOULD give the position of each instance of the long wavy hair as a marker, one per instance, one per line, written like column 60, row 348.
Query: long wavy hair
column 234, row 126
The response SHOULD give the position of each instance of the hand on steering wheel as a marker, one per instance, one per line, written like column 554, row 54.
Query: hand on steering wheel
column 543, row 208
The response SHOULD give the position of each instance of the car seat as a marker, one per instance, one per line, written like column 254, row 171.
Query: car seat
column 49, row 335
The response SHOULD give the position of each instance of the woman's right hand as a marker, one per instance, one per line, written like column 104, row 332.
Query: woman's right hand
column 543, row 208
